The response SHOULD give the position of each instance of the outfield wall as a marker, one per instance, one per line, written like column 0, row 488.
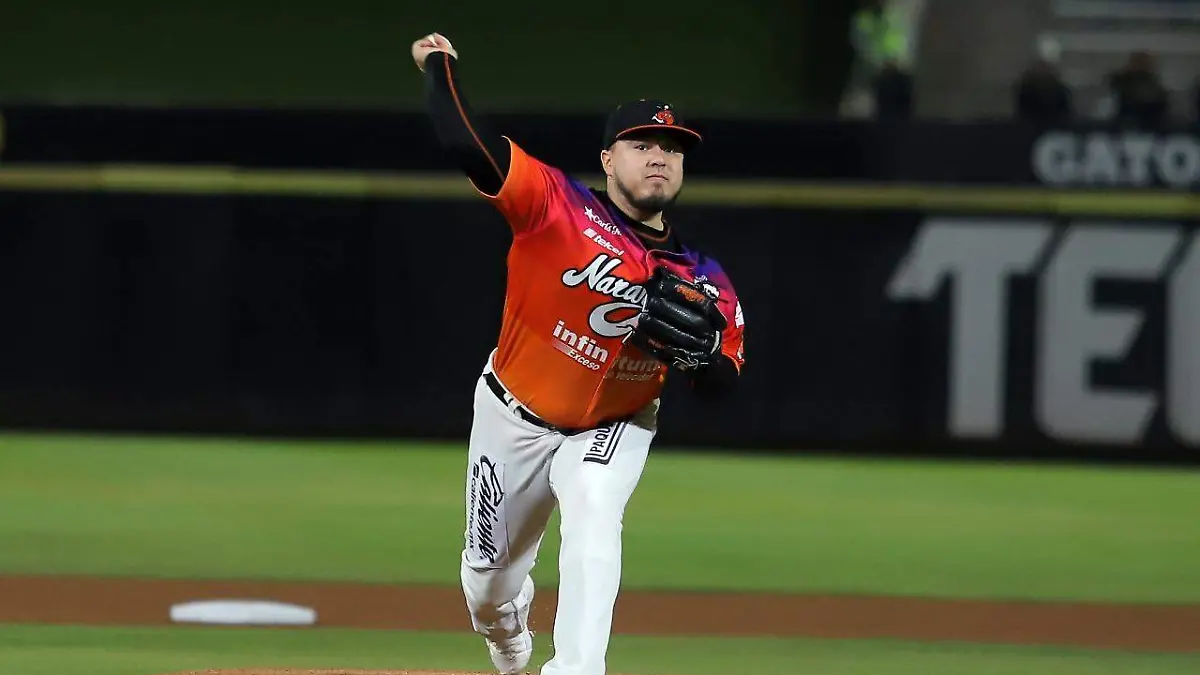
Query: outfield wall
column 995, row 290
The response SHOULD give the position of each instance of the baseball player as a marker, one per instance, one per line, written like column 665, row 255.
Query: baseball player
column 604, row 298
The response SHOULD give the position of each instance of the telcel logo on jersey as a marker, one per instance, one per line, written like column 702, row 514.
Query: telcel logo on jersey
column 581, row 348
column 602, row 242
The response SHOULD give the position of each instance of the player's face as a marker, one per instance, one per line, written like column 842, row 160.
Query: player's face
column 648, row 170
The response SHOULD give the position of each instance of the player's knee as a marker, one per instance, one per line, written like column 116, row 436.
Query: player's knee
column 602, row 546
column 593, row 524
column 597, row 500
column 593, row 534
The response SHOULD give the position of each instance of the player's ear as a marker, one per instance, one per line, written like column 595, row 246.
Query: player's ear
column 606, row 162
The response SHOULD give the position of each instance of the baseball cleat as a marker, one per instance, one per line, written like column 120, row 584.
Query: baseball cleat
column 511, row 655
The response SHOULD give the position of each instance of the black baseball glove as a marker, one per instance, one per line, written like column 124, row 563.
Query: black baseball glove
column 680, row 324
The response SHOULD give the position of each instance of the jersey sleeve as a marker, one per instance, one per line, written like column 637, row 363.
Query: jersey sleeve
column 497, row 168
column 524, row 197
column 465, row 136
column 733, row 337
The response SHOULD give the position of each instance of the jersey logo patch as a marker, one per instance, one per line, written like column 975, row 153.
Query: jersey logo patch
column 603, row 243
column 580, row 348
column 634, row 370
column 611, row 319
column 600, row 222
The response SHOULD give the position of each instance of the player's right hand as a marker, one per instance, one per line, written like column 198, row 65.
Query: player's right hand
column 434, row 42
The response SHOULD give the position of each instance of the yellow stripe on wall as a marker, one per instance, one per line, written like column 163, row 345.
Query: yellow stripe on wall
column 219, row 180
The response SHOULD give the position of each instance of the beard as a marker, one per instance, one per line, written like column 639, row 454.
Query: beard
column 652, row 203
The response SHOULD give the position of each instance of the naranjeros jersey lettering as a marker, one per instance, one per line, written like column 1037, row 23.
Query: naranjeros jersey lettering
column 575, row 286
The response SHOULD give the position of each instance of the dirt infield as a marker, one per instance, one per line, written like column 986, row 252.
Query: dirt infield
column 298, row 671
column 99, row 601
column 336, row 671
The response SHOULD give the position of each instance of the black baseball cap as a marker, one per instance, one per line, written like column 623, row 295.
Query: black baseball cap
column 645, row 115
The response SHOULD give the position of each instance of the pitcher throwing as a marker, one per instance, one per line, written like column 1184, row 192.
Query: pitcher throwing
column 604, row 298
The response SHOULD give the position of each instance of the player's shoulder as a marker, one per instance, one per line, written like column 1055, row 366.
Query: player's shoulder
column 707, row 264
column 710, row 273
column 716, row 283
column 563, row 184
column 531, row 158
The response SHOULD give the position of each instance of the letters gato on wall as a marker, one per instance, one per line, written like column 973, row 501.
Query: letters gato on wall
column 1123, row 159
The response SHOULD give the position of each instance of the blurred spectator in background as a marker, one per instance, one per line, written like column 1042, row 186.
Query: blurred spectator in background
column 1196, row 101
column 879, row 34
column 1140, row 97
column 893, row 89
column 1041, row 96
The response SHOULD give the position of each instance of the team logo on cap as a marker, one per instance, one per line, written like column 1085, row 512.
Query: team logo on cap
column 665, row 116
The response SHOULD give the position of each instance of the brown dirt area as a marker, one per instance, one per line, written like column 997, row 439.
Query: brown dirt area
column 88, row 600
column 337, row 671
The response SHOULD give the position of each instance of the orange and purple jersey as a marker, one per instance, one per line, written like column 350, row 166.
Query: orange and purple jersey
column 574, row 290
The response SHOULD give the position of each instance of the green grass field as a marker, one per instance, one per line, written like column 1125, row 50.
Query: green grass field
column 393, row 512
column 41, row 650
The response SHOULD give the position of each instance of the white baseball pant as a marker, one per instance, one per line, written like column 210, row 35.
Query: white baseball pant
column 517, row 471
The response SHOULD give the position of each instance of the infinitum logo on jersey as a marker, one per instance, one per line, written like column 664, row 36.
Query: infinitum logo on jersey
column 634, row 370
column 581, row 348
